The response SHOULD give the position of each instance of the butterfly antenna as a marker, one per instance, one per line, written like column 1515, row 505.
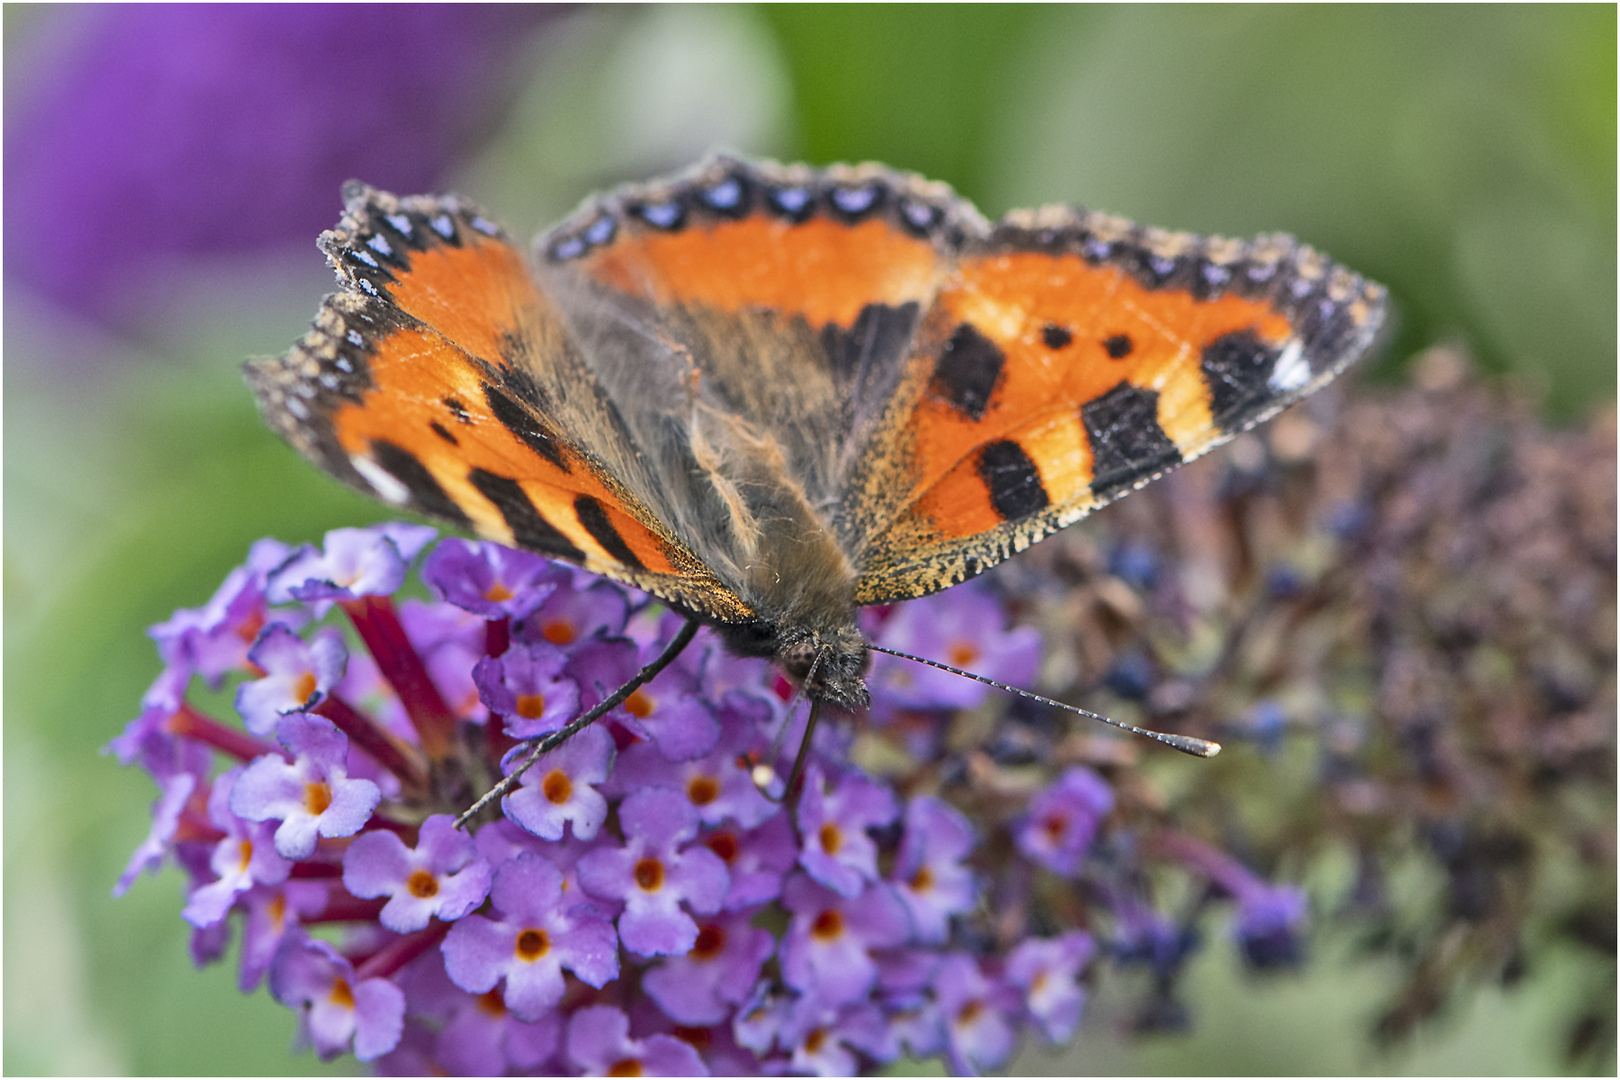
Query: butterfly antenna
column 765, row 771
column 1185, row 743
column 544, row 744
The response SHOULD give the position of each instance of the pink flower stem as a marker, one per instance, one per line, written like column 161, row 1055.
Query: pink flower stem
column 188, row 723
column 369, row 736
column 379, row 627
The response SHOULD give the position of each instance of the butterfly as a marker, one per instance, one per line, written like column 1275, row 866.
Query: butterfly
column 768, row 394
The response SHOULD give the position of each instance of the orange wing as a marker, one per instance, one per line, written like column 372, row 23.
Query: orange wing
column 439, row 379
column 1075, row 357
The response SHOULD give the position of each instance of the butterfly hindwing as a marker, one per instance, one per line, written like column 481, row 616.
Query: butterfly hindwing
column 439, row 379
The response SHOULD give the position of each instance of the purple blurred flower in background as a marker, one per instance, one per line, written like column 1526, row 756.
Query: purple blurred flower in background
column 150, row 135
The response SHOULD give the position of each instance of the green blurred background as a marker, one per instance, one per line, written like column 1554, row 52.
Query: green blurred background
column 1464, row 156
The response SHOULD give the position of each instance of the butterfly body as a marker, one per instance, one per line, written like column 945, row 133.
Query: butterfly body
column 769, row 394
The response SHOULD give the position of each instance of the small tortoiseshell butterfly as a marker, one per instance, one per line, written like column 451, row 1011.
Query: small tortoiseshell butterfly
column 770, row 393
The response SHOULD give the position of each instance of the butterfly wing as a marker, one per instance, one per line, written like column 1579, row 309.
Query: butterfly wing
column 1074, row 357
column 441, row 379
column 751, row 322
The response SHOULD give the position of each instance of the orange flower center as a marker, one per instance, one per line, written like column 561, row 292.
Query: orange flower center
column 710, row 940
column 649, row 874
column 702, row 790
column 828, row 925
column 532, row 944
column 639, row 705
column 531, row 706
column 340, row 994
column 558, row 632
column 317, row 797
column 423, row 885
column 557, row 787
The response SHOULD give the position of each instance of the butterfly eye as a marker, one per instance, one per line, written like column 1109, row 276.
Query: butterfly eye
column 797, row 659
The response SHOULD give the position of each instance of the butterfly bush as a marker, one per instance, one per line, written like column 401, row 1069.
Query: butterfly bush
column 637, row 904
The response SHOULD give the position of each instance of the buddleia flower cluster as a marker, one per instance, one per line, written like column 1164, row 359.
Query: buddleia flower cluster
column 937, row 888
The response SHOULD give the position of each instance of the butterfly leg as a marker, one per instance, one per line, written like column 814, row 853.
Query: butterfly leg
column 544, row 744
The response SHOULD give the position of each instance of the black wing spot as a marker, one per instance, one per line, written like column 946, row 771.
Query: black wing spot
column 425, row 491
column 1012, row 480
column 529, row 527
column 1118, row 346
column 443, row 432
column 1127, row 443
column 458, row 409
column 525, row 425
column 967, row 371
column 1237, row 369
column 594, row 517
column 1056, row 337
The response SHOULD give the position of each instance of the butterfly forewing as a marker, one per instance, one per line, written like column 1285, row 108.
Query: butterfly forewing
column 440, row 379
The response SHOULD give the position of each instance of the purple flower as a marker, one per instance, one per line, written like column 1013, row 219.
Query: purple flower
column 828, row 948
column 298, row 674
column 539, row 931
column 966, row 629
column 116, row 161
column 1270, row 920
column 577, row 612
column 1048, row 971
column 489, row 580
column 527, row 686
column 978, row 1015
column 824, row 1039
column 718, row 974
column 719, row 785
column 311, row 795
column 673, row 712
column 756, row 859
column 1145, row 936
column 483, row 1038
column 560, row 787
column 1063, row 819
column 351, row 563
column 599, row 1043
column 214, row 639
column 245, row 857
column 655, row 876
column 271, row 914
column 175, row 791
column 1270, row 917
column 928, row 873
column 837, row 850
column 440, row 877
column 334, row 1007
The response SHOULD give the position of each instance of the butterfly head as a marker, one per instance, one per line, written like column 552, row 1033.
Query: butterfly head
column 830, row 663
